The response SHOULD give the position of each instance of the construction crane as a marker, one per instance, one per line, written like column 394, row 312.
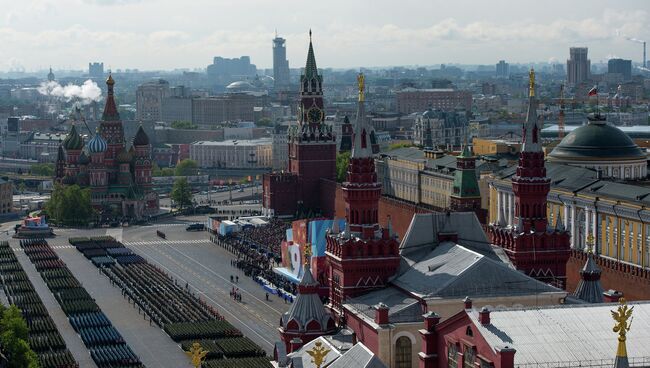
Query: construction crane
column 560, row 119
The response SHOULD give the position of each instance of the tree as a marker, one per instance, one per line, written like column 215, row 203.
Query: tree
column 70, row 205
column 45, row 169
column 184, row 125
column 342, row 162
column 181, row 193
column 264, row 122
column 14, row 335
column 187, row 167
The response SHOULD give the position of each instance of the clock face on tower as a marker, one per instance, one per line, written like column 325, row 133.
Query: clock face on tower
column 314, row 115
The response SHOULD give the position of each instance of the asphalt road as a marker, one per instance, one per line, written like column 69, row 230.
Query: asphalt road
column 220, row 196
column 189, row 257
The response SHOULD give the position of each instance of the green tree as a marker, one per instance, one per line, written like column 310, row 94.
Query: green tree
column 167, row 171
column 342, row 161
column 187, row 167
column 14, row 335
column 45, row 169
column 70, row 205
column 399, row 145
column 264, row 122
column 184, row 125
column 181, row 193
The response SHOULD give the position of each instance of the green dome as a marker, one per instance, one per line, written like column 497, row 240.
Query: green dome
column 594, row 141
column 73, row 140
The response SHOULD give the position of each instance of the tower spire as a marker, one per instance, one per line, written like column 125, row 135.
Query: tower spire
column 623, row 321
column 532, row 128
column 110, row 109
column 361, row 146
column 311, row 71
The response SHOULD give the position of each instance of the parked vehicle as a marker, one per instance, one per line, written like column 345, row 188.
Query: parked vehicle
column 195, row 227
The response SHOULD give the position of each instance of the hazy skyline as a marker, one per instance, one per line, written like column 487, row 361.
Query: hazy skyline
column 166, row 34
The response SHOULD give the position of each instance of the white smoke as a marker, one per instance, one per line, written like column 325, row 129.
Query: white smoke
column 85, row 94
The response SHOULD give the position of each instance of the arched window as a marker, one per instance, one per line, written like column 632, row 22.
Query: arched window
column 403, row 357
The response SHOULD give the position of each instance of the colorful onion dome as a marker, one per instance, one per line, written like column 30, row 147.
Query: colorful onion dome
column 123, row 157
column 97, row 144
column 73, row 140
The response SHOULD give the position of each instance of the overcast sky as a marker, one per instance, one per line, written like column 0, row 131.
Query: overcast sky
column 167, row 34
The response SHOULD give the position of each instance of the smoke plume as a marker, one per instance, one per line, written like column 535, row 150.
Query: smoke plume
column 85, row 94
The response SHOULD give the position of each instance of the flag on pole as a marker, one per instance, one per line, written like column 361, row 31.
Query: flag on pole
column 593, row 91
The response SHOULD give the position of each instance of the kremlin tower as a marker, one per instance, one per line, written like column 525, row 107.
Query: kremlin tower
column 533, row 246
column 364, row 256
column 312, row 155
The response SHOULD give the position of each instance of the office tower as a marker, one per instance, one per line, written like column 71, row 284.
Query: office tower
column 503, row 69
column 578, row 65
column 280, row 63
column 225, row 70
column 620, row 66
column 149, row 98
column 96, row 70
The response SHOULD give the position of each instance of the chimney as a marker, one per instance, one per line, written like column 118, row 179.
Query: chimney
column 381, row 314
column 451, row 236
column 295, row 344
column 612, row 296
column 431, row 319
column 484, row 316
column 506, row 355
column 468, row 302
column 354, row 338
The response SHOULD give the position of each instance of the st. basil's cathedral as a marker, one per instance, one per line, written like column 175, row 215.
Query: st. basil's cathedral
column 118, row 176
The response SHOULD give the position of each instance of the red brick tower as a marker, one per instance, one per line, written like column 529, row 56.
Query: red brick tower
column 532, row 246
column 111, row 130
column 312, row 146
column 364, row 256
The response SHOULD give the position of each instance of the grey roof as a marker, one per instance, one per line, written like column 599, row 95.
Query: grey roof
column 307, row 307
column 451, row 270
column 422, row 234
column 589, row 288
column 300, row 358
column 402, row 308
column 359, row 356
column 576, row 333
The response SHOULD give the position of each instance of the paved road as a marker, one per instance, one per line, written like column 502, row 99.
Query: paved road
column 192, row 258
column 189, row 257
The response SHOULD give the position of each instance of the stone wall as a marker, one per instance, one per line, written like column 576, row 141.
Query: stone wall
column 633, row 281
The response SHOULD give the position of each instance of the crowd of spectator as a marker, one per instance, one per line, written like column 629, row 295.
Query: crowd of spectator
column 267, row 237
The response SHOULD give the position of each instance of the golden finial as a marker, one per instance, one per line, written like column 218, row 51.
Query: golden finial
column 318, row 354
column 590, row 244
column 197, row 354
column 622, row 314
column 110, row 80
column 361, row 80
column 531, row 78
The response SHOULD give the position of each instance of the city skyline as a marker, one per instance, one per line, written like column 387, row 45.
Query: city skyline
column 154, row 35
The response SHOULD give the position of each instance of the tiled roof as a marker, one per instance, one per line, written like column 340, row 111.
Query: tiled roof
column 577, row 333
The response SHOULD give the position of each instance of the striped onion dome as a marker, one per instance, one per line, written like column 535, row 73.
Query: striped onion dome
column 97, row 144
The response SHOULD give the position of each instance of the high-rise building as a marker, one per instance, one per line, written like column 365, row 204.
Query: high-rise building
column 410, row 100
column 280, row 63
column 225, row 70
column 533, row 245
column 96, row 70
column 149, row 98
column 503, row 69
column 578, row 66
column 620, row 66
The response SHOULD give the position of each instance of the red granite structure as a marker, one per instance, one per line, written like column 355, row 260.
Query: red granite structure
column 312, row 154
column 532, row 246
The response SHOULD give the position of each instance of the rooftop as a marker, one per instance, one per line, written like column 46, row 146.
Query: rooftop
column 557, row 336
column 235, row 142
